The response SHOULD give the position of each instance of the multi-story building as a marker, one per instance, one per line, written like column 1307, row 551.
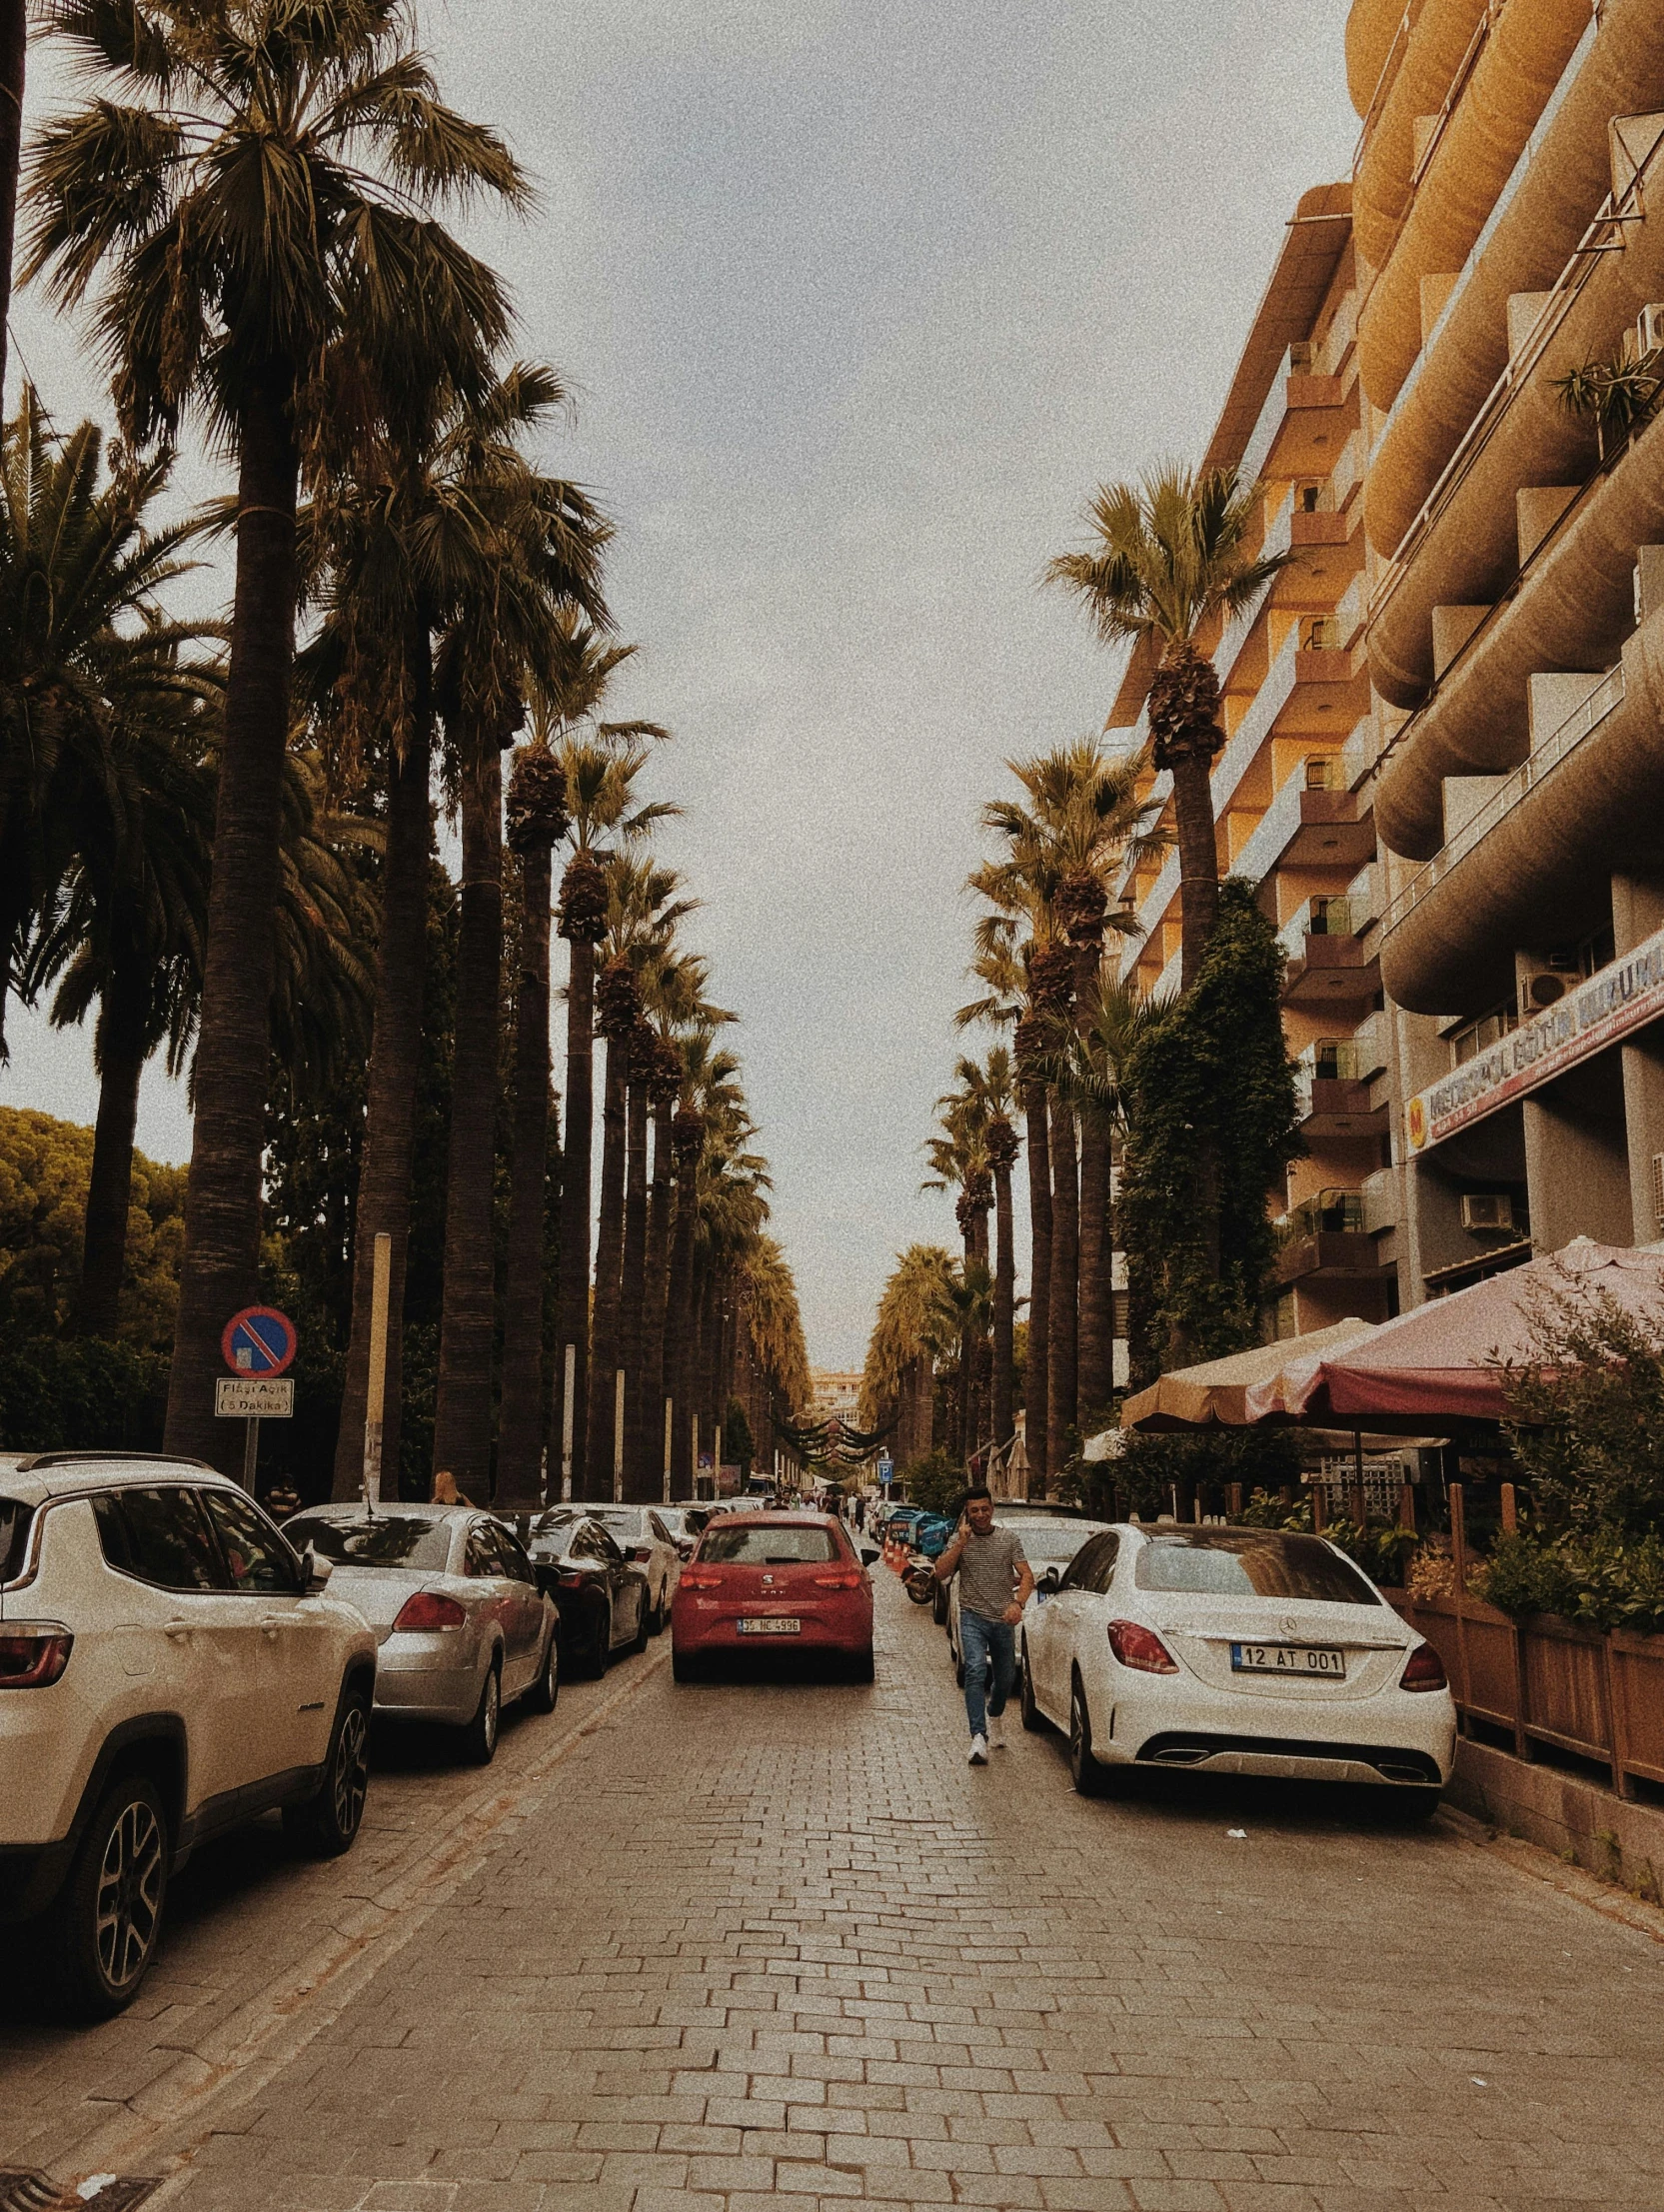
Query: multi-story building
column 1444, row 718
column 1509, row 206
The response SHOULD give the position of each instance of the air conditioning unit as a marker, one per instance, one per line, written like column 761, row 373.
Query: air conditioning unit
column 1649, row 328
column 1548, row 985
column 1487, row 1210
column 1658, row 1189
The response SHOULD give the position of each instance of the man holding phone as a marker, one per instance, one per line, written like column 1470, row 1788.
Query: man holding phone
column 995, row 1585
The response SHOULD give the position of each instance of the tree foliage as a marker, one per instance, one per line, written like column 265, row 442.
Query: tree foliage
column 1210, row 1076
column 45, row 1165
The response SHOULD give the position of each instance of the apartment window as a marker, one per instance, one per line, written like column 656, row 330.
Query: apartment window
column 1478, row 1036
column 1308, row 498
column 1598, row 950
column 1322, row 634
column 1322, row 771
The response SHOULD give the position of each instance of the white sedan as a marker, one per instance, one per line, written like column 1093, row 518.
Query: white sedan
column 1049, row 1540
column 1236, row 1650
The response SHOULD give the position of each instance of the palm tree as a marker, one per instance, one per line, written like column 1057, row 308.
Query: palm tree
column 411, row 533
column 898, row 1383
column 508, row 634
column 14, row 53
column 249, row 222
column 989, row 1086
column 643, row 913
column 537, row 821
column 1004, row 969
column 958, row 1161
column 86, row 647
column 1170, row 556
column 602, row 762
column 708, row 1098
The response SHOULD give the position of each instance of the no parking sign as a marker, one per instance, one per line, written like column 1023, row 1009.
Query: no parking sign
column 259, row 1340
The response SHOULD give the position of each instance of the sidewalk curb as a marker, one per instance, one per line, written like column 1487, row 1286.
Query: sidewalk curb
column 1535, row 1864
column 270, row 2030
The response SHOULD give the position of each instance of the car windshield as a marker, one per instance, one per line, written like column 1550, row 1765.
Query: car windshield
column 1249, row 1562
column 389, row 1541
column 622, row 1525
column 763, row 1546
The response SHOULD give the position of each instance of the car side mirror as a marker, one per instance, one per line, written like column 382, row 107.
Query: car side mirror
column 315, row 1571
column 1048, row 1579
column 870, row 1552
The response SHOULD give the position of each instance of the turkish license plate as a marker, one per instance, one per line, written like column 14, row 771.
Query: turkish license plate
column 1311, row 1662
column 773, row 1625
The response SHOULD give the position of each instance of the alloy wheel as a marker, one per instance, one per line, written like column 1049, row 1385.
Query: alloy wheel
column 351, row 1779
column 129, row 1904
column 491, row 1713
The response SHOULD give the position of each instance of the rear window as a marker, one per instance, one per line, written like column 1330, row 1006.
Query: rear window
column 389, row 1541
column 1048, row 1540
column 15, row 1518
column 1241, row 1563
column 767, row 1548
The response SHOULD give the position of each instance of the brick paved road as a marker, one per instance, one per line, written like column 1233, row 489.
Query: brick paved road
column 776, row 1948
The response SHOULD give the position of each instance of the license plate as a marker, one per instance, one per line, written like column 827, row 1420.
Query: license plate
column 1306, row 1660
column 773, row 1626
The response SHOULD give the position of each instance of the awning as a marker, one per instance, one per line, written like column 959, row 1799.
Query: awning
column 1439, row 1363
column 1214, row 1395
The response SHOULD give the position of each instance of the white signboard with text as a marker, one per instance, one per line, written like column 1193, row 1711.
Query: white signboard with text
column 1618, row 998
column 255, row 1398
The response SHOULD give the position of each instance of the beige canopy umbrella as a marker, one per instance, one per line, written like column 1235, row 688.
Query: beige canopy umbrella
column 1214, row 1395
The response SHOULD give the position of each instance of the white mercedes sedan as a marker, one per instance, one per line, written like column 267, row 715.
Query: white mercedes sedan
column 1234, row 1650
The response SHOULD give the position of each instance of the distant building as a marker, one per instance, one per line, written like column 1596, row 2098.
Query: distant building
column 834, row 1396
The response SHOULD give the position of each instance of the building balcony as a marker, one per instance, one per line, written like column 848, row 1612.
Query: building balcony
column 1333, row 1093
column 1328, row 961
column 1324, row 1236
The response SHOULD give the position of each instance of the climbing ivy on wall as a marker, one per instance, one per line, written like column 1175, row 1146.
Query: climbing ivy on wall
column 1211, row 1125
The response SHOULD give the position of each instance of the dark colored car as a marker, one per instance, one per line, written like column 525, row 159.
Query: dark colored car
column 601, row 1592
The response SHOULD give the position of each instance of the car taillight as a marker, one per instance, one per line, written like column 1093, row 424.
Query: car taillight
column 1141, row 1647
column 1424, row 1670
column 428, row 1610
column 851, row 1579
column 701, row 1579
column 34, row 1656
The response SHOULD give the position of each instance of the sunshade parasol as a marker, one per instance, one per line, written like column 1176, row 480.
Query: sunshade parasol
column 1214, row 1395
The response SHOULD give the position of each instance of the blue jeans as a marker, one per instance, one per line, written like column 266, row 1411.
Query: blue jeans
column 990, row 1647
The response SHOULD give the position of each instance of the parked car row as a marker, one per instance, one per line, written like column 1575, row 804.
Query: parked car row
column 1233, row 1650
column 172, row 1664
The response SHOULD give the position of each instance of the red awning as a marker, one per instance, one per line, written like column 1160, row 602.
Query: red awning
column 1438, row 1364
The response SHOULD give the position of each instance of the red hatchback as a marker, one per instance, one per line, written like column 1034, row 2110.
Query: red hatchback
column 772, row 1582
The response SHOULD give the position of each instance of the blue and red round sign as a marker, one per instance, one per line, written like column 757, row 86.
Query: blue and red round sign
column 259, row 1340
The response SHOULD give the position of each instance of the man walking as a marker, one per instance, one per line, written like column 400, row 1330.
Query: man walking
column 995, row 1585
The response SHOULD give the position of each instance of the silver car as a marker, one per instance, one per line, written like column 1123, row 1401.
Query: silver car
column 646, row 1533
column 462, row 1627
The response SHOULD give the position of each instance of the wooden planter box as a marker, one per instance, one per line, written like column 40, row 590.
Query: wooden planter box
column 1549, row 1681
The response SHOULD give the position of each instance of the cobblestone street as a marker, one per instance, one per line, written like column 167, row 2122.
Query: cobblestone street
column 723, row 1949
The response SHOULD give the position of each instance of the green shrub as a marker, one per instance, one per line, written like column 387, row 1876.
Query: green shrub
column 1586, row 1414
column 59, row 1393
column 936, row 1483
column 1601, row 1580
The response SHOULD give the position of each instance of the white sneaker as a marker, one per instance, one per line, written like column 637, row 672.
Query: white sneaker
column 996, row 1732
column 978, row 1751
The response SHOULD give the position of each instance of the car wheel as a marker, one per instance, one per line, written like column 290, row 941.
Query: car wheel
column 939, row 1605
column 104, row 1928
column 1033, row 1718
column 480, row 1736
column 661, row 1613
column 1088, row 1777
column 644, row 1625
column 684, row 1667
column 326, row 1823
column 546, row 1689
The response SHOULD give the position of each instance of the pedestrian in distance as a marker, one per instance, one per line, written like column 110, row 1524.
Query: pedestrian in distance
column 994, row 1584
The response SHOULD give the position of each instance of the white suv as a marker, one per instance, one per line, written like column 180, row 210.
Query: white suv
column 169, row 1667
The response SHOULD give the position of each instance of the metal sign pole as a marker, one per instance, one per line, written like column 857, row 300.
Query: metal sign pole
column 375, row 1396
column 617, row 1434
column 669, row 1405
column 251, row 1454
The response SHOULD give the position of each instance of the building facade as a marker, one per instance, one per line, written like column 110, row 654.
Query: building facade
column 1444, row 718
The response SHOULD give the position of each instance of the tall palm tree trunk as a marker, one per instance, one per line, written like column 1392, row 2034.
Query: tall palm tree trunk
column 571, row 1410
column 640, row 1485
column 1198, row 854
column 1004, row 1304
column 520, row 1417
column 121, row 1058
column 1097, row 1303
column 1062, row 1410
column 220, row 1269
column 609, row 1255
column 463, row 1414
column 687, row 1137
column 384, row 1180
column 1037, row 1382
column 654, row 1382
column 14, row 54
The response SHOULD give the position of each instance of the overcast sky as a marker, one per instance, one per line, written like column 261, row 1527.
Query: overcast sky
column 860, row 297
